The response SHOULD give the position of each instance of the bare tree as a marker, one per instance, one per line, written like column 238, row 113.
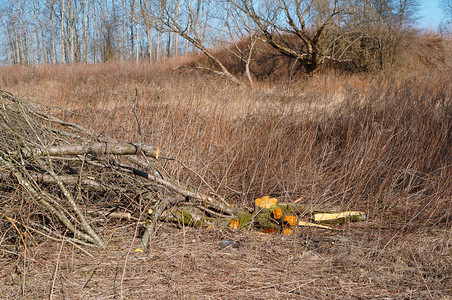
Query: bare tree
column 50, row 4
column 186, row 23
column 85, row 12
column 384, row 26
column 241, row 37
column 148, row 15
column 299, row 29
column 446, row 7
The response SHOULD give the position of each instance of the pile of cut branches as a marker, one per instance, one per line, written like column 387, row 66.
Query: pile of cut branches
column 53, row 172
column 58, row 179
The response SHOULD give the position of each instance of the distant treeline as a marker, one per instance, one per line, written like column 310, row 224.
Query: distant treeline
column 367, row 33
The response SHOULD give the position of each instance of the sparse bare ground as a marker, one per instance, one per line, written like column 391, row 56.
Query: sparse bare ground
column 192, row 263
column 369, row 143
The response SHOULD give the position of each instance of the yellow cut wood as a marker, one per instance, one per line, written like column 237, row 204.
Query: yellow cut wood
column 308, row 224
column 342, row 217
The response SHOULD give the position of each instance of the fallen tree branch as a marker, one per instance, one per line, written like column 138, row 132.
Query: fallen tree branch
column 93, row 148
column 41, row 198
column 150, row 226
column 202, row 198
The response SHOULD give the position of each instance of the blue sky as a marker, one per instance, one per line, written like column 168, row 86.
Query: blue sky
column 431, row 14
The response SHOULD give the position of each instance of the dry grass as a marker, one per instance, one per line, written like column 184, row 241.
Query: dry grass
column 193, row 264
column 378, row 144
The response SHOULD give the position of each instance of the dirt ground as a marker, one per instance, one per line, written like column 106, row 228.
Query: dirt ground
column 191, row 263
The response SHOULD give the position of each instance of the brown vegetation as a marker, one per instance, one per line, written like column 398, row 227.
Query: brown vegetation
column 418, row 52
column 380, row 144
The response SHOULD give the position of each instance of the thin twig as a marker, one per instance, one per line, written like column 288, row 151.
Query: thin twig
column 134, row 111
column 57, row 266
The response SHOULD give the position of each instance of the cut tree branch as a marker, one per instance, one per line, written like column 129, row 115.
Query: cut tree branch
column 93, row 148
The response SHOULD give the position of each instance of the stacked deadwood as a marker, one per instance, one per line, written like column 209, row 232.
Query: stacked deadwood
column 51, row 171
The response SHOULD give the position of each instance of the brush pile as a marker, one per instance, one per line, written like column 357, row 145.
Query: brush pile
column 57, row 179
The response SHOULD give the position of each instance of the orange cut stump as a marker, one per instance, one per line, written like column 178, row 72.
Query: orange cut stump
column 277, row 213
column 288, row 231
column 265, row 202
column 234, row 224
column 291, row 220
